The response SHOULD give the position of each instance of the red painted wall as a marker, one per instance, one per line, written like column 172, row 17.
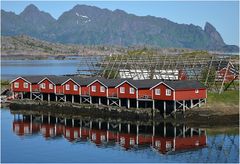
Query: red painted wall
column 98, row 93
column 47, row 89
column 59, row 89
column 126, row 94
column 84, row 90
column 190, row 94
column 144, row 93
column 20, row 86
column 162, row 95
column 71, row 90
column 112, row 92
column 35, row 87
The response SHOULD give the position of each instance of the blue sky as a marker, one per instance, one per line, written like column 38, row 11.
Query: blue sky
column 224, row 15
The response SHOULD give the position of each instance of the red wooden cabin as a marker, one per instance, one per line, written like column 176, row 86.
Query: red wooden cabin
column 126, row 90
column 71, row 87
column 97, row 88
column 179, row 90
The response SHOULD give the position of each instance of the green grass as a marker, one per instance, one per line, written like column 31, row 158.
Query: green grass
column 4, row 82
column 227, row 97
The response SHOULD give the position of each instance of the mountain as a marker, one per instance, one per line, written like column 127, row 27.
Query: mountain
column 89, row 25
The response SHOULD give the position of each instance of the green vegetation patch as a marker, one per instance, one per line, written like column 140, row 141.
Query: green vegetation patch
column 227, row 97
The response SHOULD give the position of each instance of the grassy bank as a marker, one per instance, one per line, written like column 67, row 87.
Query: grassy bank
column 227, row 102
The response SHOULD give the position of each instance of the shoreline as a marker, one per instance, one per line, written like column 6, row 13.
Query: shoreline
column 196, row 117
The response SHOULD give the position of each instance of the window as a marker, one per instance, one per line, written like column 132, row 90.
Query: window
column 102, row 89
column 168, row 92
column 131, row 90
column 50, row 86
column 25, row 85
column 122, row 90
column 16, row 85
column 157, row 92
column 75, row 87
column 43, row 86
column 196, row 91
column 93, row 88
column 67, row 87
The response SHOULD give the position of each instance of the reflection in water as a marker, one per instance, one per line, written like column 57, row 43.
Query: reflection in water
column 162, row 137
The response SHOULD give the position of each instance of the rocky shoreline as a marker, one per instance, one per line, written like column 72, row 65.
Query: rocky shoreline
column 195, row 117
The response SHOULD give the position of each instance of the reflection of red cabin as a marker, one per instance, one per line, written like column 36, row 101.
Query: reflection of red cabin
column 127, row 140
column 48, row 130
column 71, row 133
column 98, row 136
column 165, row 145
column 23, row 128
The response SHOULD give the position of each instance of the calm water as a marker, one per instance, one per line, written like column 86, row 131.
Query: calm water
column 13, row 68
column 37, row 138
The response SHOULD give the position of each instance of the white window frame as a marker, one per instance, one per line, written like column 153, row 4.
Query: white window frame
column 67, row 87
column 196, row 91
column 25, row 85
column 157, row 91
column 50, row 86
column 75, row 87
column 94, row 88
column 16, row 84
column 131, row 90
column 168, row 92
column 102, row 89
column 122, row 89
column 43, row 86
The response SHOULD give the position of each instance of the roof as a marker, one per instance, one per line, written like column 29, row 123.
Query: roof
column 142, row 84
column 111, row 82
column 184, row 84
column 83, row 81
column 34, row 79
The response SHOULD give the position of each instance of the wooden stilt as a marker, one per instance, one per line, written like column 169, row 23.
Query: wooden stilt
column 164, row 109
column 42, row 97
column 119, row 127
column 191, row 103
column 30, row 95
column 153, row 108
column 164, row 129
column 129, row 128
column 72, row 98
column 128, row 103
column 184, row 108
column 90, row 100
column 175, row 109
column 90, row 124
column 56, row 98
column 48, row 97
column 137, row 134
column 120, row 104
column 49, row 119
column 137, row 105
column 65, row 98
column 99, row 125
column 108, row 101
column 199, row 102
column 99, row 101
column 80, row 99
column 72, row 122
